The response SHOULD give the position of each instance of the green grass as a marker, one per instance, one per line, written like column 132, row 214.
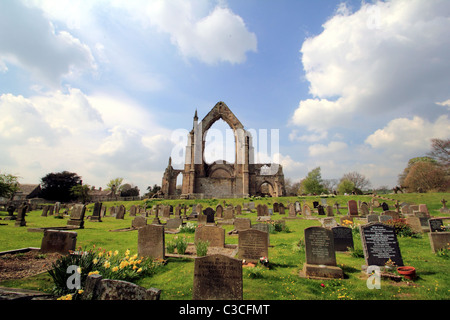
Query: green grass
column 279, row 282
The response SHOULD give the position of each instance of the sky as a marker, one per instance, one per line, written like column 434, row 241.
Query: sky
column 103, row 88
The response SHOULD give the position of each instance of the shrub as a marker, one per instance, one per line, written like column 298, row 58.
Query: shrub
column 402, row 229
column 181, row 244
column 202, row 248
column 187, row 228
column 109, row 264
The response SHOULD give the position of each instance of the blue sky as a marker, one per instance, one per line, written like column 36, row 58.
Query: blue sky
column 99, row 87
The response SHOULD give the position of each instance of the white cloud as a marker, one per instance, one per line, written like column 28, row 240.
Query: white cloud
column 331, row 149
column 409, row 136
column 28, row 40
column 220, row 36
column 97, row 137
column 384, row 58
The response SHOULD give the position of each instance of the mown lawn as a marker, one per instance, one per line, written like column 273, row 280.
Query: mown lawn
column 279, row 282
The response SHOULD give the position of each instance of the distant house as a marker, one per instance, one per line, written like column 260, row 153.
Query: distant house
column 100, row 195
column 27, row 191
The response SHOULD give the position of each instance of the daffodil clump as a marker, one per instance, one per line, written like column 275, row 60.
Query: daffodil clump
column 108, row 264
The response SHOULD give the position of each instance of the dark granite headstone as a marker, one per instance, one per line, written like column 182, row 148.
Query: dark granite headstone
column 380, row 244
column 343, row 238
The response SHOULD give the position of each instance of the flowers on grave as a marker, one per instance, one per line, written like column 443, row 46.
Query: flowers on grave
column 108, row 264
column 264, row 261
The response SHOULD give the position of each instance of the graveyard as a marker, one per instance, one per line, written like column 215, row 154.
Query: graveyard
column 309, row 248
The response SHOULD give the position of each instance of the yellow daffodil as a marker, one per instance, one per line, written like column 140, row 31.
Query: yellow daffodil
column 139, row 270
column 123, row 264
column 115, row 269
column 107, row 264
column 95, row 260
column 127, row 253
column 93, row 272
column 80, row 291
column 116, row 253
column 100, row 254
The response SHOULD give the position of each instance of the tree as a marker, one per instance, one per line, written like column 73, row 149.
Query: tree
column 8, row 185
column 426, row 176
column 115, row 185
column 440, row 151
column 359, row 180
column 57, row 186
column 128, row 190
column 291, row 188
column 330, row 184
column 152, row 190
column 312, row 183
column 346, row 186
column 81, row 192
column 411, row 162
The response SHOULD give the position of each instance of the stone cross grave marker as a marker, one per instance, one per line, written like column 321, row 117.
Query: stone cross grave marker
column 253, row 244
column 217, row 277
column 151, row 241
column 58, row 241
column 380, row 244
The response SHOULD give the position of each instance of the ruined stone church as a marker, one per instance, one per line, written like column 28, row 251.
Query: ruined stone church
column 221, row 179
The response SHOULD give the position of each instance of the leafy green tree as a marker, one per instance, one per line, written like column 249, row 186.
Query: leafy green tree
column 8, row 185
column 81, row 192
column 115, row 185
column 346, row 186
column 312, row 183
column 57, row 186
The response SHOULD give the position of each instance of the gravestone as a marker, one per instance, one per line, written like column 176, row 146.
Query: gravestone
column 307, row 210
column 292, row 212
column 96, row 214
column 352, row 208
column 423, row 219
column 261, row 227
column 320, row 210
column 201, row 219
column 120, row 212
column 77, row 216
column 380, row 244
column 242, row 224
column 251, row 206
column 444, row 208
column 385, row 206
column 315, row 204
column 439, row 240
column 199, row 208
column 215, row 235
column 229, row 213
column 392, row 213
column 21, row 213
column 178, row 210
column 406, row 209
column 414, row 224
column 329, row 223
column 151, row 241
column 265, row 210
column 102, row 211
column 259, row 210
column 275, row 207
column 174, row 223
column 384, row 218
column 298, row 208
column 329, row 211
column 44, row 211
column 209, row 213
column 217, row 277
column 373, row 218
column 281, row 208
column 364, row 208
column 219, row 211
column 166, row 212
column 238, row 209
column 50, row 210
column 58, row 241
column 436, row 225
column 138, row 222
column 112, row 211
column 253, row 244
column 320, row 254
column 343, row 238
column 97, row 288
column 133, row 211
column 424, row 208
